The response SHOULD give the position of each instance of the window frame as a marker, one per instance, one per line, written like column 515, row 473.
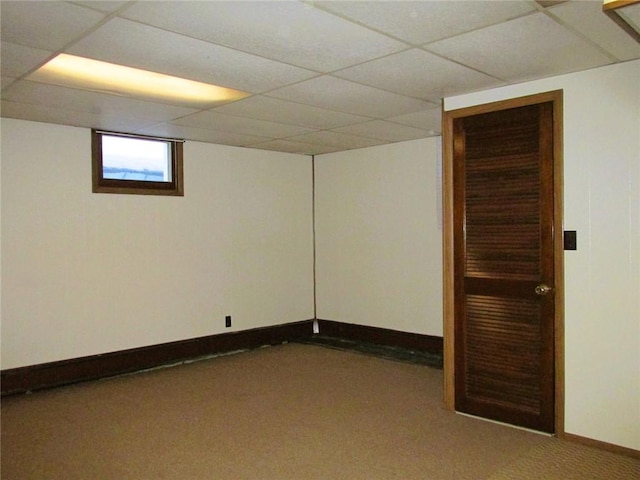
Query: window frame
column 136, row 187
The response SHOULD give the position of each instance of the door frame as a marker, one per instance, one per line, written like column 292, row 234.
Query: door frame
column 556, row 98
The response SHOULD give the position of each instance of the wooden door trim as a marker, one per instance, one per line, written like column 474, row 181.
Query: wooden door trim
column 555, row 97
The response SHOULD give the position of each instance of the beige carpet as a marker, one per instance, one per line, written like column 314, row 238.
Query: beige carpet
column 287, row 412
column 569, row 461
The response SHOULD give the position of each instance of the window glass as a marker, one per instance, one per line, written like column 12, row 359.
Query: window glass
column 126, row 158
column 124, row 163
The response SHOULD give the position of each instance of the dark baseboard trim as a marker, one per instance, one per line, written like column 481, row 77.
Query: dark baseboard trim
column 381, row 336
column 64, row 372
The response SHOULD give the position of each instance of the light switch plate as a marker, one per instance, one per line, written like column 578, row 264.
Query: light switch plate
column 570, row 240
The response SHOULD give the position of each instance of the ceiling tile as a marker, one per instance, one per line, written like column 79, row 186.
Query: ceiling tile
column 341, row 95
column 295, row 147
column 98, row 103
column 46, row 25
column 589, row 19
column 6, row 81
column 201, row 135
column 338, row 140
column 523, row 49
column 419, row 74
column 426, row 21
column 17, row 60
column 102, row 6
column 549, row 3
column 140, row 46
column 381, row 130
column 272, row 109
column 41, row 113
column 243, row 125
column 430, row 120
column 281, row 30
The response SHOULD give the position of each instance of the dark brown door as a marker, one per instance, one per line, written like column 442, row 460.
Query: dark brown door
column 503, row 265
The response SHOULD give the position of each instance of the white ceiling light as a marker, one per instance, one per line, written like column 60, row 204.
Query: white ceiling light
column 87, row 74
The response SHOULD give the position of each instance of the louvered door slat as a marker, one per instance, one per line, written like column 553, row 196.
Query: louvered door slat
column 503, row 350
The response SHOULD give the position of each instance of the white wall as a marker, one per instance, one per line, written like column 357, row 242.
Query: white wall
column 378, row 241
column 86, row 273
column 602, row 278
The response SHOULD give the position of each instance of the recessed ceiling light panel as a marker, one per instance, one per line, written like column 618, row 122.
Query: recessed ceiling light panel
column 93, row 75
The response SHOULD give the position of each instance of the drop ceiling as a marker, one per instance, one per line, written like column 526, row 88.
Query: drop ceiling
column 323, row 76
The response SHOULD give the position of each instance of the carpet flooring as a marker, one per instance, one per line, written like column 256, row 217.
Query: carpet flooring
column 294, row 411
column 556, row 459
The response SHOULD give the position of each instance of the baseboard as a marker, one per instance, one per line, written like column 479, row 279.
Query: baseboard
column 590, row 442
column 53, row 374
column 381, row 336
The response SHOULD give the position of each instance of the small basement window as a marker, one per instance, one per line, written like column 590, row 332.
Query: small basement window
column 135, row 164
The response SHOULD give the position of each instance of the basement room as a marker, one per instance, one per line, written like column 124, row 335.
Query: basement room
column 291, row 240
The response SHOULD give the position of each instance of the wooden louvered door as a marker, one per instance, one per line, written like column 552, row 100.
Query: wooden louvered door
column 503, row 265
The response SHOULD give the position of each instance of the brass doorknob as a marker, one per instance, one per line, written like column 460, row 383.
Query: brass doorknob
column 543, row 289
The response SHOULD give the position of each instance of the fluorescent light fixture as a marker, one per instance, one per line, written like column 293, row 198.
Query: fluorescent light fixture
column 87, row 74
column 626, row 13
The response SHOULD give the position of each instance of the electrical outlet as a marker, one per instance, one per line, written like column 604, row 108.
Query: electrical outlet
column 227, row 321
